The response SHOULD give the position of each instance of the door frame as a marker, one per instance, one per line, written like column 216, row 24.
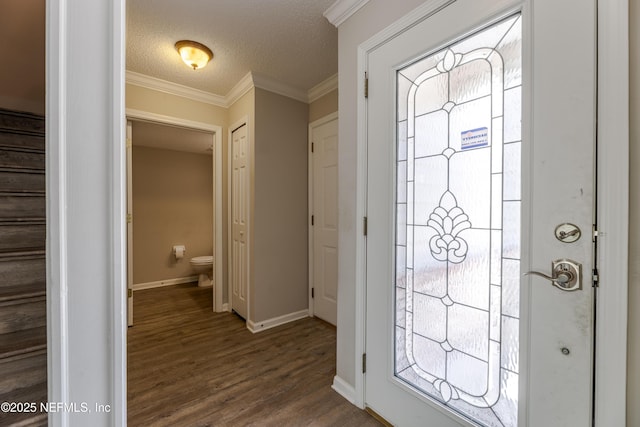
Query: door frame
column 611, row 209
column 145, row 116
column 244, row 121
column 312, row 126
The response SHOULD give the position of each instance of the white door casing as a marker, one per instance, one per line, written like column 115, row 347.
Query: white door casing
column 129, row 143
column 239, row 250
column 216, row 141
column 323, row 194
column 558, row 93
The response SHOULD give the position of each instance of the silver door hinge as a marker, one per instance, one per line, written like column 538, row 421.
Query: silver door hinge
column 595, row 233
column 365, row 226
column 313, row 292
column 364, row 363
column 596, row 278
column 130, row 293
column 313, row 219
column 128, row 143
column 312, row 147
column 129, row 218
column 366, row 85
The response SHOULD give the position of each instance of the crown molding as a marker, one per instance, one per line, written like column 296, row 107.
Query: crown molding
column 341, row 10
column 243, row 86
column 323, row 88
column 248, row 82
column 267, row 83
column 160, row 85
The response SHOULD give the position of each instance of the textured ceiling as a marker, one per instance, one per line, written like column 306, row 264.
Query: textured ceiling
column 286, row 40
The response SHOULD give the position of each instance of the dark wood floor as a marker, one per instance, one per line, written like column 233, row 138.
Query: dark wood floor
column 189, row 366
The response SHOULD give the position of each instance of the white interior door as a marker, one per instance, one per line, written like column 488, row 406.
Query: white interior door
column 239, row 220
column 129, row 143
column 325, row 220
column 480, row 143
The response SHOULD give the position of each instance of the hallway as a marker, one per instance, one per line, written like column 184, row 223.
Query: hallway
column 188, row 366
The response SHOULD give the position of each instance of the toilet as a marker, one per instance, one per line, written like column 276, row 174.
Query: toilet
column 203, row 265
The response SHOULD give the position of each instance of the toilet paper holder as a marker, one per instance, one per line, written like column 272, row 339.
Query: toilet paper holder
column 179, row 251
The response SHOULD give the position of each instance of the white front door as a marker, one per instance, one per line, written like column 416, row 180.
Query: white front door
column 239, row 220
column 481, row 136
column 325, row 220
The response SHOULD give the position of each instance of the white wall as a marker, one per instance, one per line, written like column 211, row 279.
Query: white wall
column 633, row 355
column 85, row 205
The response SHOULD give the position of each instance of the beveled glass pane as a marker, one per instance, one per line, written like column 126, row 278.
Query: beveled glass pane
column 431, row 95
column 458, row 224
column 432, row 134
column 512, row 114
column 470, row 81
column 512, row 171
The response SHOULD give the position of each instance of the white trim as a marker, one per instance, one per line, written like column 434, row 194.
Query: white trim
column 56, row 146
column 263, row 325
column 271, row 85
column 171, row 88
column 146, row 116
column 341, row 10
column 217, row 185
column 613, row 201
column 240, row 89
column 613, row 212
column 118, row 189
column 344, row 389
column 323, row 88
column 129, row 195
column 225, row 307
column 163, row 283
column 218, row 250
column 310, row 187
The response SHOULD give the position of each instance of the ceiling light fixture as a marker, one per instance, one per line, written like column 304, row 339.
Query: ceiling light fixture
column 194, row 54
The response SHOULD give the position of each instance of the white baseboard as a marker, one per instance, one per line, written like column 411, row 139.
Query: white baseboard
column 276, row 321
column 161, row 283
column 225, row 307
column 344, row 389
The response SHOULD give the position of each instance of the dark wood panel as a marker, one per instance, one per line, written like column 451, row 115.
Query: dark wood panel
column 22, row 236
column 22, row 206
column 189, row 366
column 19, row 315
column 12, row 158
column 22, row 140
column 22, row 272
column 20, row 181
column 15, row 120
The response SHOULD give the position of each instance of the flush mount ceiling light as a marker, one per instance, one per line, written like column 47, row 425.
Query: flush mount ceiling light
column 194, row 54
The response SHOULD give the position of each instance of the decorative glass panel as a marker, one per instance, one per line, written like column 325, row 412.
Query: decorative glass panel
column 458, row 224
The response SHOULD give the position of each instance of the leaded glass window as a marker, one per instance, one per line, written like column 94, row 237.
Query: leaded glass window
column 458, row 224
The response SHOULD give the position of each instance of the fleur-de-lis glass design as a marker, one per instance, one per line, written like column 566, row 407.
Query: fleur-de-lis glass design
column 448, row 220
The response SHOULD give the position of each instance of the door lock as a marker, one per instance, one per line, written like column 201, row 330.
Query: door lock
column 565, row 274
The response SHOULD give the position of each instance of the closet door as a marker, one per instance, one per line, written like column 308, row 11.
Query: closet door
column 239, row 220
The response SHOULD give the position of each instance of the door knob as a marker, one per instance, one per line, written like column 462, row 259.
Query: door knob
column 565, row 274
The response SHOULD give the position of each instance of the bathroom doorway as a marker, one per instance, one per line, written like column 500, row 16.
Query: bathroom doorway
column 191, row 153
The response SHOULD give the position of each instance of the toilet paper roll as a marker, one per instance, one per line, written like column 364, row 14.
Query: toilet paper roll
column 179, row 251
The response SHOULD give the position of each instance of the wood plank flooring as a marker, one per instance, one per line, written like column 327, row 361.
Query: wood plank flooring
column 188, row 366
